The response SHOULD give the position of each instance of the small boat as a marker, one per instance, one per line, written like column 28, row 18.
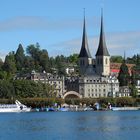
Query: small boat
column 124, row 108
column 62, row 109
column 17, row 107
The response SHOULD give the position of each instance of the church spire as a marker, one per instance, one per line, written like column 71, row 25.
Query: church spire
column 124, row 58
column 102, row 49
column 84, row 52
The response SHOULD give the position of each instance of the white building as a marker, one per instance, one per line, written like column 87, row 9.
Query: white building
column 57, row 82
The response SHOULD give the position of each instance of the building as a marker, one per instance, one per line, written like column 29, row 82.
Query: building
column 70, row 70
column 57, row 82
column 124, row 91
column 95, row 79
column 98, row 77
column 115, row 68
column 138, row 87
column 72, row 83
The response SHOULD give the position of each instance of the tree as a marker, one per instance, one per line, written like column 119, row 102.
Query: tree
column 44, row 60
column 134, row 60
column 28, row 88
column 20, row 57
column 10, row 63
column 73, row 58
column 124, row 76
column 60, row 64
column 34, row 52
column 116, row 59
column 6, row 89
column 40, row 57
column 1, row 64
column 29, row 64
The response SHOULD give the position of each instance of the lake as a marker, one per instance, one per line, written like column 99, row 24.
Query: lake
column 90, row 125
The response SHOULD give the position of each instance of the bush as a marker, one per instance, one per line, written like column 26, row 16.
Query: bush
column 35, row 102
column 125, row 101
column 104, row 101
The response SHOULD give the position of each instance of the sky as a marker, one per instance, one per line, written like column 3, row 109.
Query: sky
column 57, row 25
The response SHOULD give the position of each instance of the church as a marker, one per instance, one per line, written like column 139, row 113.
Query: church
column 95, row 79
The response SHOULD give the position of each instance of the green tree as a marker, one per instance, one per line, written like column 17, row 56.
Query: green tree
column 28, row 88
column 6, row 89
column 1, row 64
column 73, row 59
column 44, row 60
column 10, row 63
column 39, row 57
column 60, row 65
column 134, row 60
column 124, row 76
column 34, row 52
column 116, row 59
column 20, row 57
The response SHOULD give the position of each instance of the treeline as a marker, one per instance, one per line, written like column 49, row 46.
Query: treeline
column 34, row 58
column 130, row 60
column 23, row 62
column 17, row 89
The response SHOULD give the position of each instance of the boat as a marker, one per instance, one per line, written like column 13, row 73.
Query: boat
column 17, row 107
column 63, row 109
column 124, row 108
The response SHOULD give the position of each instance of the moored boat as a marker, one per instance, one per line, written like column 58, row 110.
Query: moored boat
column 124, row 108
column 17, row 107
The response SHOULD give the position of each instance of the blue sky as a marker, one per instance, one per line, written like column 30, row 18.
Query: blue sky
column 57, row 25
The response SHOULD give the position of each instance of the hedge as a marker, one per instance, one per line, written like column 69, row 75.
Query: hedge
column 43, row 102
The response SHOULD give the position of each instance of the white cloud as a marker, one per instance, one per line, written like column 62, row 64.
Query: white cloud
column 18, row 23
column 43, row 23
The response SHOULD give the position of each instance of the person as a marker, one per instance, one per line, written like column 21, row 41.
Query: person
column 109, row 106
column 21, row 107
column 96, row 106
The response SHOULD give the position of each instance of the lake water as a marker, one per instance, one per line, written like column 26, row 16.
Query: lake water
column 98, row 125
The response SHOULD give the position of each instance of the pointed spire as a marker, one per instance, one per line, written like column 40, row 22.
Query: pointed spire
column 102, row 49
column 124, row 59
column 84, row 52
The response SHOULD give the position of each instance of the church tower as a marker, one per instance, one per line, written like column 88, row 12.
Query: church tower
column 85, row 58
column 102, row 55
